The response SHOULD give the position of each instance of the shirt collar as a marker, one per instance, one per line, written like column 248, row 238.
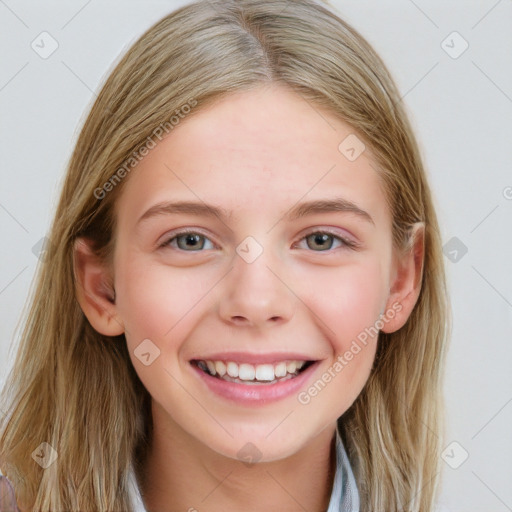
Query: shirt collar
column 344, row 495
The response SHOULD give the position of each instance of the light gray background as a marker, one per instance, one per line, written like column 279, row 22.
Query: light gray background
column 461, row 109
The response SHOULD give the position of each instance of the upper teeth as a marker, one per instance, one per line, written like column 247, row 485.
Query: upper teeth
column 245, row 371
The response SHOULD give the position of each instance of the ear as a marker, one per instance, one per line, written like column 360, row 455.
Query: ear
column 94, row 289
column 407, row 278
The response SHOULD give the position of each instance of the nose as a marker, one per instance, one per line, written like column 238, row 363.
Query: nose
column 256, row 294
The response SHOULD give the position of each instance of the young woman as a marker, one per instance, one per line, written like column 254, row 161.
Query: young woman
column 243, row 304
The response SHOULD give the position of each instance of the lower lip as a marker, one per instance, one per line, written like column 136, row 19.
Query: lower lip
column 256, row 394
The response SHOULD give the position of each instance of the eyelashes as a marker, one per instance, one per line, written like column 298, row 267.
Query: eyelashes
column 321, row 236
column 190, row 237
column 195, row 241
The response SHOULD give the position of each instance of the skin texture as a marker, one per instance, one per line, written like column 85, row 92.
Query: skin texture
column 257, row 154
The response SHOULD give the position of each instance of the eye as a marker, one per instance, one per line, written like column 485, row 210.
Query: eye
column 190, row 241
column 318, row 241
column 321, row 241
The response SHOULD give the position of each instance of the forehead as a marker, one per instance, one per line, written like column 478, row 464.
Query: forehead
column 259, row 151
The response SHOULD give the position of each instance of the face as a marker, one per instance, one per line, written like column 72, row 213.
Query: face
column 270, row 280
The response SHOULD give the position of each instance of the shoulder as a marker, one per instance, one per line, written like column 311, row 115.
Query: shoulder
column 7, row 496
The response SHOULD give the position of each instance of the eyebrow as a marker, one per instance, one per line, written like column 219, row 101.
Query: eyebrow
column 186, row 207
column 301, row 210
column 338, row 204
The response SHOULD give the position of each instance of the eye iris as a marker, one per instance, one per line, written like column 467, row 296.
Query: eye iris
column 320, row 238
column 191, row 241
column 322, row 241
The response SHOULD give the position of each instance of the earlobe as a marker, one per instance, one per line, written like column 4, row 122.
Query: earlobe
column 94, row 290
column 406, row 285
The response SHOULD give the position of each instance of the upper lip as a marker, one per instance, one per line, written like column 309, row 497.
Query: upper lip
column 245, row 357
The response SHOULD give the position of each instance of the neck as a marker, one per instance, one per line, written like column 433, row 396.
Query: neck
column 182, row 474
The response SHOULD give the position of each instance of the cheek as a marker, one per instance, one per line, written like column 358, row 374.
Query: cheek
column 153, row 298
column 347, row 301
column 161, row 304
column 348, row 308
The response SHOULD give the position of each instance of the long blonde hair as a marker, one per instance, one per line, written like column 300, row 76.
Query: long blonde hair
column 78, row 391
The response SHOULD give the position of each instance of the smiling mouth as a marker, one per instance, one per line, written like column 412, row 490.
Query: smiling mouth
column 249, row 374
